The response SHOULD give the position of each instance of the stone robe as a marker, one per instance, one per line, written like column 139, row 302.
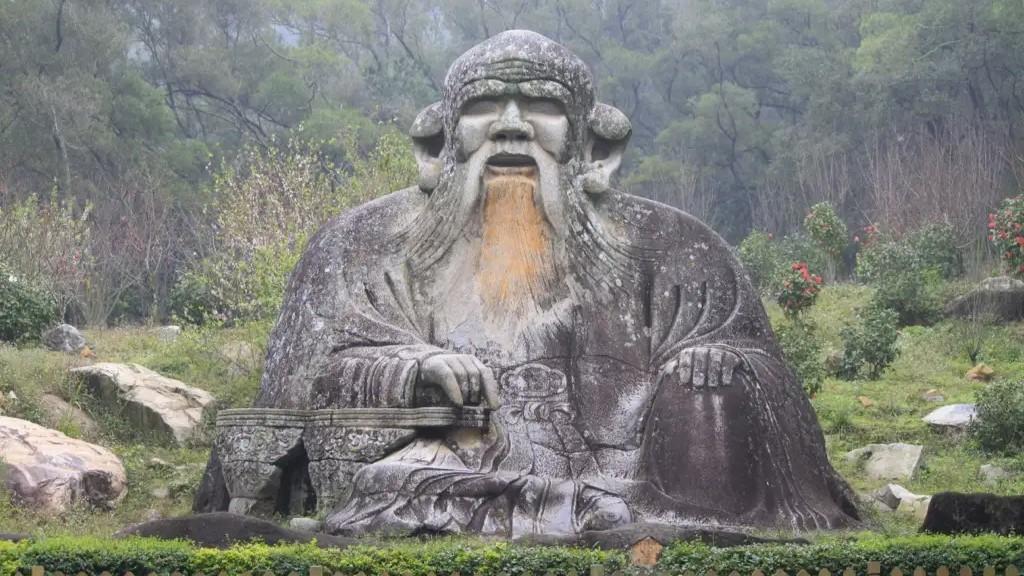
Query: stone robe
column 587, row 436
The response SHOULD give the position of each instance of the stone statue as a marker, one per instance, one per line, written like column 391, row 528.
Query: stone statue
column 591, row 359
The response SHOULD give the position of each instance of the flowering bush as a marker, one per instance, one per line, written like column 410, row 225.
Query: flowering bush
column 1006, row 232
column 800, row 289
column 25, row 311
column 826, row 229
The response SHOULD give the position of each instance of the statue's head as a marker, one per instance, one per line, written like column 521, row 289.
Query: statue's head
column 515, row 102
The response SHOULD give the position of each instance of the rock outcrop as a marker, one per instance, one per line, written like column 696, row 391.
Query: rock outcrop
column 154, row 403
column 1001, row 299
column 888, row 461
column 48, row 470
column 60, row 414
column 63, row 338
column 952, row 418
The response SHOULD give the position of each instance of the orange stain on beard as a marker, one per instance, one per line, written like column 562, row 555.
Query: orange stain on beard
column 516, row 267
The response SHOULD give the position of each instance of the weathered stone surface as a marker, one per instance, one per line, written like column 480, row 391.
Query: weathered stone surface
column 1000, row 298
column 954, row 417
column 956, row 513
column 223, row 530
column 46, row 469
column 992, row 474
column 980, row 373
column 624, row 365
column 888, row 461
column 153, row 403
column 933, row 395
column 305, row 524
column 59, row 413
column 63, row 338
column 898, row 498
column 168, row 333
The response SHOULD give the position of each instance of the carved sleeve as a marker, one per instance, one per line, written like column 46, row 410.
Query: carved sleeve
column 372, row 377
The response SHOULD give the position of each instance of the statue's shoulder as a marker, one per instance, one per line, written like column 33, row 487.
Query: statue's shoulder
column 656, row 225
column 372, row 224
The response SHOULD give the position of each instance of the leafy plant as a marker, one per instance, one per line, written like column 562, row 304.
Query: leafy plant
column 802, row 349
column 799, row 289
column 761, row 258
column 1006, row 232
column 999, row 426
column 25, row 311
column 904, row 281
column 825, row 227
column 871, row 345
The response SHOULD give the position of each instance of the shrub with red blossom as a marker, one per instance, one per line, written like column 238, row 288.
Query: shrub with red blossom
column 800, row 289
column 1006, row 232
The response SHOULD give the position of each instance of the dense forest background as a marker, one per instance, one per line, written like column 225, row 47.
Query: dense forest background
column 144, row 141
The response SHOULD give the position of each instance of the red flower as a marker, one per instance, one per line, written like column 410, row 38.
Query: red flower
column 1020, row 240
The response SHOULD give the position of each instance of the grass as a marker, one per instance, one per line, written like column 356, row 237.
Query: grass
column 225, row 361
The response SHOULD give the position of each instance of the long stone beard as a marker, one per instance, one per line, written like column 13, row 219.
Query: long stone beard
column 517, row 270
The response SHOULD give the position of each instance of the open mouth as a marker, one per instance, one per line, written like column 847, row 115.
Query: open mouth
column 507, row 164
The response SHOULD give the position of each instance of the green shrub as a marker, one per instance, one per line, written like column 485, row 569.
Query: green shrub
column 999, row 426
column 936, row 247
column 24, row 310
column 802, row 348
column 869, row 346
column 908, row 552
column 903, row 280
column 761, row 258
column 827, row 230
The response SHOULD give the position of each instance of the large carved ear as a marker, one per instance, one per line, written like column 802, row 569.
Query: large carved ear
column 609, row 133
column 427, row 133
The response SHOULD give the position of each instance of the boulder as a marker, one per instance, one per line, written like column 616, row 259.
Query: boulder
column 956, row 513
column 951, row 418
column 168, row 333
column 981, row 373
column 60, row 413
column 1001, row 299
column 305, row 524
column 223, row 529
column 992, row 474
column 933, row 395
column 888, row 461
column 154, row 403
column 48, row 470
column 63, row 338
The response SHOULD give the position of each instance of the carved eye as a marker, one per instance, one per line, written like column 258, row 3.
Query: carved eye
column 480, row 108
column 546, row 106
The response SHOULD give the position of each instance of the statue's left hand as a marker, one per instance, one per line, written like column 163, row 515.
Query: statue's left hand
column 703, row 366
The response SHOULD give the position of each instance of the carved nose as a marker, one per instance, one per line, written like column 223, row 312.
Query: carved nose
column 510, row 127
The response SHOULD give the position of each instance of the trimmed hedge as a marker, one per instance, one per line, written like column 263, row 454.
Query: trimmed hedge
column 907, row 553
column 416, row 558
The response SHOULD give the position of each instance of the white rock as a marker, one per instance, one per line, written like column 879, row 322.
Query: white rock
column 917, row 507
column 304, row 524
column 168, row 333
column 154, row 402
column 63, row 338
column 992, row 474
column 50, row 471
column 954, row 417
column 888, row 461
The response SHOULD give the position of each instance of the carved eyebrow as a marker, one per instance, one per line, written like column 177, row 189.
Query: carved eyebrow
column 546, row 89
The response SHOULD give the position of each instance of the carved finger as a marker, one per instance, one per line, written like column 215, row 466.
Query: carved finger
column 471, row 392
column 714, row 368
column 700, row 367
column 490, row 386
column 729, row 363
column 449, row 383
column 685, row 366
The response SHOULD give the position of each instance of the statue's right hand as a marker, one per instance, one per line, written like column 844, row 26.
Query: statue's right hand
column 462, row 378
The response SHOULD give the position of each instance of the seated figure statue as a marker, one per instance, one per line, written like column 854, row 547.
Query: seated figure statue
column 629, row 369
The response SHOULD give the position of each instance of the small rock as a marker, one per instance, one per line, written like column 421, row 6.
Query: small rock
column 160, row 493
column 58, row 412
column 992, row 474
column 168, row 333
column 917, row 507
column 933, row 395
column 63, row 338
column 952, row 418
column 981, row 373
column 158, row 463
column 888, row 461
column 865, row 401
column 892, row 494
column 305, row 524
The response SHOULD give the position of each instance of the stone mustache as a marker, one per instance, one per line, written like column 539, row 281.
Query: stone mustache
column 513, row 347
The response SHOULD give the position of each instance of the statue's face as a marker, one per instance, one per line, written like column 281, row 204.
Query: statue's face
column 512, row 130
